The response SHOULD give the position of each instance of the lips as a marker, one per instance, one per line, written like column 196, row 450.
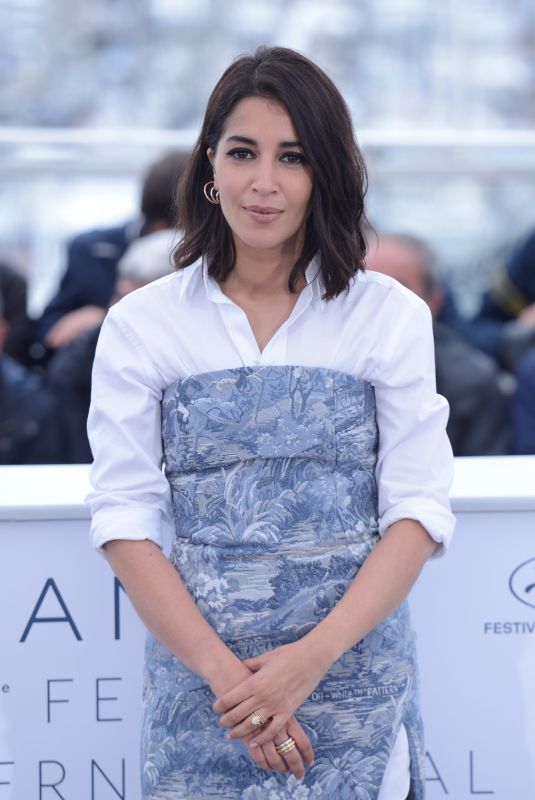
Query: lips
column 263, row 213
column 263, row 209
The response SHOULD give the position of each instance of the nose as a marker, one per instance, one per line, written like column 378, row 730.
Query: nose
column 264, row 177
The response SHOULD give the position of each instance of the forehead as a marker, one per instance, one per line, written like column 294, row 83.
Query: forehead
column 260, row 119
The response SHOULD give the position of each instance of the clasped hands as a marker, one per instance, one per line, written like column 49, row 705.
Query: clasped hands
column 281, row 680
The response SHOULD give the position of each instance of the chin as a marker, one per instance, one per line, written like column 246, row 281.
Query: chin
column 268, row 242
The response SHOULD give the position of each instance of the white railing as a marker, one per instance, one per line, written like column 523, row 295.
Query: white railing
column 481, row 152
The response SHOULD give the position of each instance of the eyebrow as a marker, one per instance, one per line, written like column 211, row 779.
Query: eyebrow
column 247, row 140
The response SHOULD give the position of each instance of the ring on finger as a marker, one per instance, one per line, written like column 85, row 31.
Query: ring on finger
column 285, row 746
column 257, row 719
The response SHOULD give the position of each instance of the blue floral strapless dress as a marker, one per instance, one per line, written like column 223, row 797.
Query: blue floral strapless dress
column 272, row 473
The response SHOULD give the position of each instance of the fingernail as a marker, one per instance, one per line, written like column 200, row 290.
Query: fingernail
column 253, row 745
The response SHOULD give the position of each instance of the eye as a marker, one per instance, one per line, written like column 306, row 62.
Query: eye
column 240, row 153
column 294, row 158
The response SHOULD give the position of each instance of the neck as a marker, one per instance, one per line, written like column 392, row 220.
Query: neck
column 262, row 272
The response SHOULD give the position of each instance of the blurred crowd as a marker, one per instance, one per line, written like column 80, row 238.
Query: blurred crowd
column 485, row 366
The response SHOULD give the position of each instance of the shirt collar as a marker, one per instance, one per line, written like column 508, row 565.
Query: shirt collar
column 315, row 282
column 312, row 292
column 191, row 278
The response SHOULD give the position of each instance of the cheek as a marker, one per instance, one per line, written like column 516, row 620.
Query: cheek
column 303, row 191
column 303, row 198
column 229, row 193
column 230, row 209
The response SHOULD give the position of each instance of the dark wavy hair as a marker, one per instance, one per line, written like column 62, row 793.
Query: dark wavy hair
column 336, row 222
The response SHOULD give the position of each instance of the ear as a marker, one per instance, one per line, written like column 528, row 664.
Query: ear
column 211, row 155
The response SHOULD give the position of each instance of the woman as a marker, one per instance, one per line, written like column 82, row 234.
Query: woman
column 291, row 397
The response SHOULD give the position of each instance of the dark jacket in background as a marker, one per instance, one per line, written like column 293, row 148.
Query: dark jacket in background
column 479, row 422
column 514, row 288
column 69, row 377
column 13, row 290
column 524, row 407
column 90, row 275
column 494, row 330
column 31, row 430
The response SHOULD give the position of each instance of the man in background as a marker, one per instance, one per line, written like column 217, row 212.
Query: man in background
column 505, row 325
column 69, row 369
column 31, row 429
column 469, row 380
column 18, row 338
column 87, row 286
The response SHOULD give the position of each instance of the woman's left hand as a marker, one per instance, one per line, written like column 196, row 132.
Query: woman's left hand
column 282, row 680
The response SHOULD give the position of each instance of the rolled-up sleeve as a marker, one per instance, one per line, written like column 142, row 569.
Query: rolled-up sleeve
column 415, row 460
column 130, row 497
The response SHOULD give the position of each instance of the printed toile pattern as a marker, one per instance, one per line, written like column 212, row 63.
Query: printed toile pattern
column 272, row 473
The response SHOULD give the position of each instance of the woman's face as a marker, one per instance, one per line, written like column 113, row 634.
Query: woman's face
column 263, row 178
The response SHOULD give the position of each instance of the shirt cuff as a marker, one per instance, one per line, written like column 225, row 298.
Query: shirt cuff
column 133, row 522
column 437, row 520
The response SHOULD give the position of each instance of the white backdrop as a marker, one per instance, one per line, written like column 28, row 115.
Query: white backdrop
column 71, row 646
column 61, row 726
column 476, row 642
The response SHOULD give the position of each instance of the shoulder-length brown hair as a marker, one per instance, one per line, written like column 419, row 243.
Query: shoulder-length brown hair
column 334, row 228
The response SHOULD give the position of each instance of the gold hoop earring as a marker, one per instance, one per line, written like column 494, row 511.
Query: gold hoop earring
column 211, row 194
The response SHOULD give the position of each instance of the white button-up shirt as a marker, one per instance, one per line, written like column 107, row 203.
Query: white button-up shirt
column 184, row 324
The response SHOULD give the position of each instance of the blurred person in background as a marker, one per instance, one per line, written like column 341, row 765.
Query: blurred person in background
column 69, row 370
column 87, row 286
column 13, row 289
column 505, row 325
column 31, row 430
column 505, row 328
column 478, row 393
column 524, row 406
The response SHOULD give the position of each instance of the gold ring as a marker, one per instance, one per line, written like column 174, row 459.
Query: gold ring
column 257, row 719
column 286, row 746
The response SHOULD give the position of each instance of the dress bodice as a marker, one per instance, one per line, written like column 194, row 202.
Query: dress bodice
column 272, row 474
column 255, row 456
